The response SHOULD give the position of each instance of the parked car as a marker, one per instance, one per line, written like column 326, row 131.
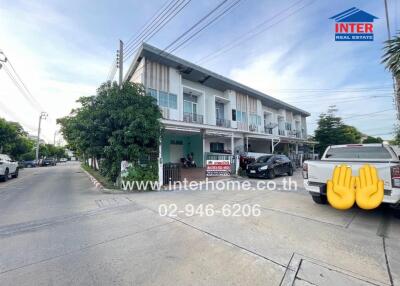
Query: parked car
column 381, row 156
column 268, row 166
column 7, row 167
column 28, row 164
column 63, row 160
column 48, row 162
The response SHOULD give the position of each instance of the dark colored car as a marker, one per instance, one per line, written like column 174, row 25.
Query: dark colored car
column 28, row 164
column 268, row 166
column 49, row 162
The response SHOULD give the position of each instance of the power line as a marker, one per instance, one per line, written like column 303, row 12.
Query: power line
column 368, row 114
column 33, row 103
column 248, row 35
column 19, row 83
column 195, row 25
column 157, row 28
column 133, row 39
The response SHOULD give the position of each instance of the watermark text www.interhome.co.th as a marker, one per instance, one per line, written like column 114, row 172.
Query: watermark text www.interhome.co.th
column 219, row 185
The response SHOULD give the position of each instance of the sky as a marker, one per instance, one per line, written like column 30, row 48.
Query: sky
column 63, row 50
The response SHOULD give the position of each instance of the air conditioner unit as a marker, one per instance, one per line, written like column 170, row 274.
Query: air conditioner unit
column 165, row 112
column 252, row 127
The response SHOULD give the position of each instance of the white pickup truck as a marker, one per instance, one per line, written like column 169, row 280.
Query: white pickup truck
column 382, row 156
column 8, row 168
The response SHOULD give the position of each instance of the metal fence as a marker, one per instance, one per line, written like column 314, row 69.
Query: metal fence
column 171, row 173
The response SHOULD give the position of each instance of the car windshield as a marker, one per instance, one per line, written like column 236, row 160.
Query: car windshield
column 358, row 152
column 263, row 159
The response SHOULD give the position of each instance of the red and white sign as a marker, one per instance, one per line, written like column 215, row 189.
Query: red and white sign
column 218, row 168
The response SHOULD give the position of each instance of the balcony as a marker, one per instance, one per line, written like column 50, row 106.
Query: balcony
column 193, row 118
column 223, row 122
column 267, row 130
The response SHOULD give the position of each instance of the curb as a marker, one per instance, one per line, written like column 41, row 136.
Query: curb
column 99, row 186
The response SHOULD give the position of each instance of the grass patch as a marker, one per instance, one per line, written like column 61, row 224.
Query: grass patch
column 102, row 180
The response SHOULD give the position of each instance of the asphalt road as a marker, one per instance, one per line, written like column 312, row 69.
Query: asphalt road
column 57, row 229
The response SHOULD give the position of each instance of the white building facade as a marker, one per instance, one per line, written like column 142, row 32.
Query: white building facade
column 204, row 112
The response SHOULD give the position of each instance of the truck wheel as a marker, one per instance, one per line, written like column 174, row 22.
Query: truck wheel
column 320, row 199
column 271, row 174
column 396, row 213
column 15, row 175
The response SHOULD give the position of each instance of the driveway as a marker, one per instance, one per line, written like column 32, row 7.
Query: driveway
column 56, row 229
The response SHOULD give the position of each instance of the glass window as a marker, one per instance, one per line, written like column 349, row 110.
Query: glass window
column 152, row 92
column 217, row 147
column 163, row 99
column 173, row 102
column 239, row 116
column 263, row 159
column 358, row 152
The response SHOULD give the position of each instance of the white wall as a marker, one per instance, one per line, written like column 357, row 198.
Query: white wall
column 138, row 75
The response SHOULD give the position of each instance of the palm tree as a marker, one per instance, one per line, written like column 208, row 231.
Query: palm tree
column 391, row 59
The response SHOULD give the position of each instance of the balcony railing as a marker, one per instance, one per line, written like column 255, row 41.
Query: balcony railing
column 281, row 132
column 223, row 122
column 267, row 130
column 192, row 117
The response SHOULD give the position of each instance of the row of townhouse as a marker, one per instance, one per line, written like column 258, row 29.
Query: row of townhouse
column 205, row 112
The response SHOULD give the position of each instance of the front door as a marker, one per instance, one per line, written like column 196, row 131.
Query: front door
column 176, row 152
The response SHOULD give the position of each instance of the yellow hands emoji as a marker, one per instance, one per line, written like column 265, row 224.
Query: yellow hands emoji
column 369, row 189
column 340, row 190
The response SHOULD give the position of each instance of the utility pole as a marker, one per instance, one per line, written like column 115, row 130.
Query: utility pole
column 121, row 62
column 54, row 140
column 43, row 115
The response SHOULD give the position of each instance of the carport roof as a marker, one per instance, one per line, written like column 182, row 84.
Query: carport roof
column 199, row 74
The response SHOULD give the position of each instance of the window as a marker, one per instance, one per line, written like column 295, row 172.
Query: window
column 255, row 119
column 219, row 110
column 173, row 101
column 153, row 93
column 233, row 114
column 241, row 116
column 358, row 152
column 163, row 99
column 189, row 103
column 216, row 147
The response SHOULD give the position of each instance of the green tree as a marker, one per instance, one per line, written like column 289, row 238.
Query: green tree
column 371, row 139
column 117, row 124
column 14, row 140
column 332, row 131
column 391, row 59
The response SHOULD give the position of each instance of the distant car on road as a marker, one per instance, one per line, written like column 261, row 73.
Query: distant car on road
column 7, row 167
column 28, row 164
column 63, row 160
column 268, row 166
column 48, row 162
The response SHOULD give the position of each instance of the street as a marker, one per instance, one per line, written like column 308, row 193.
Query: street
column 57, row 229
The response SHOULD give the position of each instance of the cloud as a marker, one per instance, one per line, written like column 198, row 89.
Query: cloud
column 45, row 48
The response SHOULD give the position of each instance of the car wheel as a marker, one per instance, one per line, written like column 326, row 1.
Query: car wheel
column 15, row 175
column 5, row 177
column 290, row 173
column 320, row 199
column 271, row 174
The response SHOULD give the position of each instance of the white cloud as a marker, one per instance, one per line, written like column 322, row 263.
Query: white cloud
column 54, row 68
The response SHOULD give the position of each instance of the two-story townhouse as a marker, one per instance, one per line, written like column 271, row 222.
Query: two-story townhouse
column 205, row 112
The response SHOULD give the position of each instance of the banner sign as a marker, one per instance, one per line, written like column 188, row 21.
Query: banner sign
column 216, row 168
